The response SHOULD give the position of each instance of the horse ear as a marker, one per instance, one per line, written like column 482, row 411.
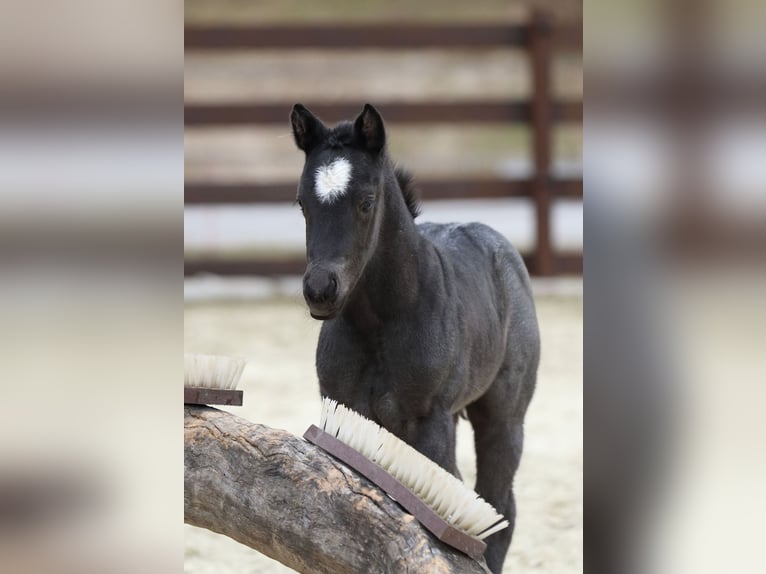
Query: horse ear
column 308, row 130
column 369, row 131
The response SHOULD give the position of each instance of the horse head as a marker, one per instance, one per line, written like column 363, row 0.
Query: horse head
column 341, row 196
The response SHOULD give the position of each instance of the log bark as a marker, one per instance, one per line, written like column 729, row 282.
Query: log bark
column 288, row 499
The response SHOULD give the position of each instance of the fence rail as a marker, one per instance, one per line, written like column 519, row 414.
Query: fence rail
column 538, row 37
column 394, row 112
column 561, row 264
column 247, row 192
column 373, row 36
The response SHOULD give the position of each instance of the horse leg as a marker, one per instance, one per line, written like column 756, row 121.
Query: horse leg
column 499, row 438
column 432, row 435
column 435, row 437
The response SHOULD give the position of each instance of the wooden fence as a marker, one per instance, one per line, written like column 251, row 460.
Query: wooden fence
column 541, row 112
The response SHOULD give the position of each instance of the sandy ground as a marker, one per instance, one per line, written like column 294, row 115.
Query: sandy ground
column 278, row 338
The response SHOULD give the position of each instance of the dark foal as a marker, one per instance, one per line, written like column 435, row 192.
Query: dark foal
column 421, row 322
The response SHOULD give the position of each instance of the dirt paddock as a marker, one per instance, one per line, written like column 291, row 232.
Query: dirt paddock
column 278, row 338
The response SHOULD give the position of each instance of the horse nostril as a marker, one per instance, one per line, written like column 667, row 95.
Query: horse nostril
column 320, row 287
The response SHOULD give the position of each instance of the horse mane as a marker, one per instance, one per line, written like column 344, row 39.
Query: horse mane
column 410, row 192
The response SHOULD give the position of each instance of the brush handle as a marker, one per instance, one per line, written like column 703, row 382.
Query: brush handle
column 203, row 396
column 439, row 527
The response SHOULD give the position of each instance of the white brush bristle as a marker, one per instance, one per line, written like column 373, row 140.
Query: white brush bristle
column 447, row 495
column 212, row 371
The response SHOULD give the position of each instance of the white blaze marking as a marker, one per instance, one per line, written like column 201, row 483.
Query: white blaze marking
column 331, row 180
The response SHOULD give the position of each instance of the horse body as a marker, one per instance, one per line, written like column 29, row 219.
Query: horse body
column 422, row 322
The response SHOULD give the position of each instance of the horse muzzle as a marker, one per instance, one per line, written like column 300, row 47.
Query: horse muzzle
column 322, row 291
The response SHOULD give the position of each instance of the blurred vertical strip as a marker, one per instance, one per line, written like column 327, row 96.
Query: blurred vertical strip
column 91, row 267
column 675, row 232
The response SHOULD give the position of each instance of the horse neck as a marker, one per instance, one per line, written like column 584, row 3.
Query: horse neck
column 390, row 283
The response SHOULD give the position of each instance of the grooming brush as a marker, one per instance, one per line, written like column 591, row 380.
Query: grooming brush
column 442, row 503
column 212, row 380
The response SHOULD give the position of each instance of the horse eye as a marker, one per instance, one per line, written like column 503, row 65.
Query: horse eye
column 367, row 205
column 300, row 204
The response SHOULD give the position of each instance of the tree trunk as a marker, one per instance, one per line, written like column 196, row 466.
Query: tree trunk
column 293, row 502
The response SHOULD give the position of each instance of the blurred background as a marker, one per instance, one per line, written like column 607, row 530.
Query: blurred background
column 675, row 218
column 91, row 316
column 483, row 102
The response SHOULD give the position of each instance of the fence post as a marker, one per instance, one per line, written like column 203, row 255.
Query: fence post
column 540, row 47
